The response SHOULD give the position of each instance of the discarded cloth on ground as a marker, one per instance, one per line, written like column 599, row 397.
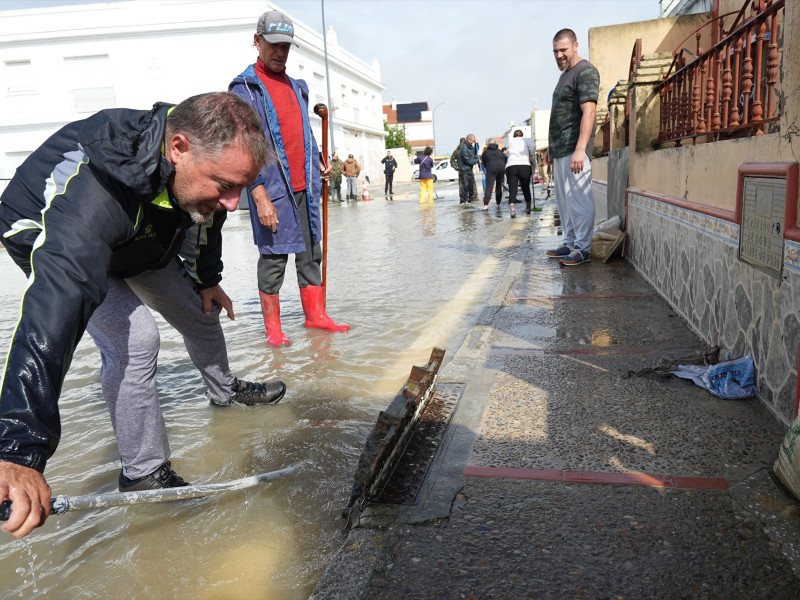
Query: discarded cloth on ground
column 731, row 379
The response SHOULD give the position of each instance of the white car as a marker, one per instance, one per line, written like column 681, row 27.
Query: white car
column 442, row 171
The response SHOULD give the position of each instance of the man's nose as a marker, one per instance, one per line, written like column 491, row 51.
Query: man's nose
column 230, row 202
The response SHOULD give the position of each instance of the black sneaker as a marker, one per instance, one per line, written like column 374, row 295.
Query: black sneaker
column 252, row 394
column 162, row 477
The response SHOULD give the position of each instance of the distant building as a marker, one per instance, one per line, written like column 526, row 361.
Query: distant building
column 62, row 63
column 416, row 121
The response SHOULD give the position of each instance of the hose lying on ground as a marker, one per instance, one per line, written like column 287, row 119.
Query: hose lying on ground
column 61, row 504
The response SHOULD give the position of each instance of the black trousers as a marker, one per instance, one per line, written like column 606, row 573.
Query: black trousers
column 494, row 178
column 519, row 174
column 389, row 178
column 467, row 191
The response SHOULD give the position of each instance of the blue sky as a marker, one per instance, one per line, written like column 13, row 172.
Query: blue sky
column 486, row 63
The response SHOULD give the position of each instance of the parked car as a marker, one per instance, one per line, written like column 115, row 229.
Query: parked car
column 442, row 171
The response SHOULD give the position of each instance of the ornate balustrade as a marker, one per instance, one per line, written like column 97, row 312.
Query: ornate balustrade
column 729, row 90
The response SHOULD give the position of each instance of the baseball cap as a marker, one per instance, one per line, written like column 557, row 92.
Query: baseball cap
column 275, row 27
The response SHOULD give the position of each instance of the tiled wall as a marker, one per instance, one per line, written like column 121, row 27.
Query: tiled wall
column 692, row 260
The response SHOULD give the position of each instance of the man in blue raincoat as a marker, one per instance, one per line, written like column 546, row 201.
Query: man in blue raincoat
column 285, row 200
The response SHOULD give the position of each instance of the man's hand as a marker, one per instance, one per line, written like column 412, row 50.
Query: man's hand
column 217, row 294
column 325, row 170
column 547, row 159
column 267, row 213
column 30, row 495
column 578, row 159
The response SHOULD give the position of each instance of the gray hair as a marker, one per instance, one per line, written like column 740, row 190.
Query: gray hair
column 214, row 121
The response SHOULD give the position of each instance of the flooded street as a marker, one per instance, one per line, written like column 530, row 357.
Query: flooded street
column 405, row 276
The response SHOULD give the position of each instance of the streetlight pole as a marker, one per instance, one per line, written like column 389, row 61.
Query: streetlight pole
column 433, row 124
column 327, row 76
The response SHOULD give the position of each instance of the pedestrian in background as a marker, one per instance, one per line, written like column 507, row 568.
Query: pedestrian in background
column 389, row 166
column 521, row 154
column 467, row 159
column 336, row 177
column 494, row 164
column 285, row 200
column 425, row 163
column 351, row 170
column 454, row 164
column 572, row 124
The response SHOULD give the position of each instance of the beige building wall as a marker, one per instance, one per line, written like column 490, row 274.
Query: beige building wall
column 610, row 47
column 707, row 173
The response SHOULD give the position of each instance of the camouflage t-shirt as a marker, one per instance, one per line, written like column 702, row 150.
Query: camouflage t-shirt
column 577, row 85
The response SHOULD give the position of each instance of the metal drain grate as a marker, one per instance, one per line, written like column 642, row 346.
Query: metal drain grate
column 405, row 482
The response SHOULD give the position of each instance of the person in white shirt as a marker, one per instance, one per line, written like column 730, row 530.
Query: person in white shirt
column 521, row 154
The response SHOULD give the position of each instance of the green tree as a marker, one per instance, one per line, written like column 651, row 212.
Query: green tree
column 396, row 137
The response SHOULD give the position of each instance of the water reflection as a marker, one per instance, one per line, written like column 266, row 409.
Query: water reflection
column 405, row 278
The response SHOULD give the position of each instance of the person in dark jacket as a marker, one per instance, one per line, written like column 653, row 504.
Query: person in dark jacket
column 389, row 167
column 494, row 165
column 285, row 200
column 467, row 159
column 110, row 215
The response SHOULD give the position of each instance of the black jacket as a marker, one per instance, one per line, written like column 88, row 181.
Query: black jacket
column 94, row 199
column 493, row 159
column 389, row 164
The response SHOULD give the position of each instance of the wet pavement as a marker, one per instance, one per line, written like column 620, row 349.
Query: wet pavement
column 572, row 468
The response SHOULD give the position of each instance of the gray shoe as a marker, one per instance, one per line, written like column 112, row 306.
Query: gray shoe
column 251, row 394
column 162, row 477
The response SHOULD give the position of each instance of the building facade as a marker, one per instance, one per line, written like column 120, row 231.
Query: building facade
column 416, row 121
column 700, row 162
column 61, row 64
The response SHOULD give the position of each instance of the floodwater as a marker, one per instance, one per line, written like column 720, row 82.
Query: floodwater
column 405, row 276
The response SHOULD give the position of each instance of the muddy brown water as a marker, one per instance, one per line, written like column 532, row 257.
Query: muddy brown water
column 406, row 276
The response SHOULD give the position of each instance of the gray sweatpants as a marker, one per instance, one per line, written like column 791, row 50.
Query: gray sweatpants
column 127, row 336
column 575, row 202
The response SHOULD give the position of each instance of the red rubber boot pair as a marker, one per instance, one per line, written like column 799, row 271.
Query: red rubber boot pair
column 313, row 307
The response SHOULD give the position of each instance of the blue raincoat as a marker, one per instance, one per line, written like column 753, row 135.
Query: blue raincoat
column 288, row 239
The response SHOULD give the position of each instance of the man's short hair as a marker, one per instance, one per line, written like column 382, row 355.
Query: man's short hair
column 214, row 121
column 566, row 33
column 518, row 133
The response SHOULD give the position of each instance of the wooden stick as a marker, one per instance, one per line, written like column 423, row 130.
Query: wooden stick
column 322, row 111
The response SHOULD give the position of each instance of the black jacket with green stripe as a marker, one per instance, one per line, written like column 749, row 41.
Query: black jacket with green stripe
column 93, row 200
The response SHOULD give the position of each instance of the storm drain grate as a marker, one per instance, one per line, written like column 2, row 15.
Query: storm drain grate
column 405, row 482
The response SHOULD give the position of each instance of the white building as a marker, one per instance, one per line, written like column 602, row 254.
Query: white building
column 61, row 64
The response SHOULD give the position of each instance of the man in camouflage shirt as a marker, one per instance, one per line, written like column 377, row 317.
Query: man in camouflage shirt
column 572, row 123
column 336, row 178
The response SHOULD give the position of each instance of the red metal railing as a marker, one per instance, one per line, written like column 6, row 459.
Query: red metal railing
column 729, row 90
column 636, row 59
column 605, row 127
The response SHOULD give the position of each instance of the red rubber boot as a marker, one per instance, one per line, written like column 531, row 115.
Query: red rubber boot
column 311, row 297
column 271, row 309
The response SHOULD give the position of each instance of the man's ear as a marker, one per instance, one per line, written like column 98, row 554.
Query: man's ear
column 176, row 147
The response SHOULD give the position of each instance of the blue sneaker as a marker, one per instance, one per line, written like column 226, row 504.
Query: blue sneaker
column 576, row 257
column 559, row 252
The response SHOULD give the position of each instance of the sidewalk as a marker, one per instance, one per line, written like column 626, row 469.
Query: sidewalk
column 573, row 469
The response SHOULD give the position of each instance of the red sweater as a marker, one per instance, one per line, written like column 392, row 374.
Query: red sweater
column 290, row 120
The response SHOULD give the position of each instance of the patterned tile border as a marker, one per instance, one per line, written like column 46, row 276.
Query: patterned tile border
column 719, row 228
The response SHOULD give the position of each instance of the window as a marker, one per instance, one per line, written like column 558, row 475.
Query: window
column 90, row 81
column 19, row 77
